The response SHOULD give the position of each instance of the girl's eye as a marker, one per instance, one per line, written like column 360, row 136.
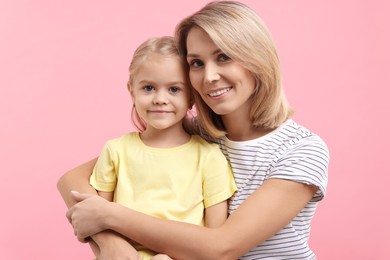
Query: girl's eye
column 195, row 63
column 174, row 90
column 148, row 88
column 223, row 57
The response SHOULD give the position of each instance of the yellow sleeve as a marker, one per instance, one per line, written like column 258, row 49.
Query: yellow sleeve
column 218, row 180
column 104, row 175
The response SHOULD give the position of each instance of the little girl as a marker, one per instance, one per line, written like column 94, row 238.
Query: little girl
column 163, row 170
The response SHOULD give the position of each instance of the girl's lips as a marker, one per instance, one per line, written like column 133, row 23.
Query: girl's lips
column 219, row 92
column 159, row 111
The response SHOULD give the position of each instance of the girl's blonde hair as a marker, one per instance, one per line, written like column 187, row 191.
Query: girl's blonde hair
column 159, row 45
column 240, row 33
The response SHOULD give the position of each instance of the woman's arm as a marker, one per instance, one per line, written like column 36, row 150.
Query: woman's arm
column 76, row 179
column 105, row 243
column 257, row 219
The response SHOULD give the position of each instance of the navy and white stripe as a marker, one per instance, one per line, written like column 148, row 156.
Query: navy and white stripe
column 290, row 152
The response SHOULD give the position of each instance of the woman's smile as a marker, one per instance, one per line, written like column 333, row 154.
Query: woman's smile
column 219, row 92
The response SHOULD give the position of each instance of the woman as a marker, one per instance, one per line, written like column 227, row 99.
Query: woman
column 279, row 166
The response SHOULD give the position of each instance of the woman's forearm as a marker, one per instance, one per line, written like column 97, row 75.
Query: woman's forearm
column 142, row 226
column 76, row 179
column 256, row 220
column 177, row 239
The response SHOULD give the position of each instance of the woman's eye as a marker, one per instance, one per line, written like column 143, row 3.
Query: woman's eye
column 223, row 57
column 195, row 63
column 174, row 89
column 148, row 88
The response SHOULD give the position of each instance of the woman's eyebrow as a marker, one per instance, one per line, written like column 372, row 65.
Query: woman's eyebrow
column 191, row 55
column 194, row 55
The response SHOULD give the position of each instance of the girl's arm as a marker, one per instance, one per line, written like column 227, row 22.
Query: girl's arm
column 112, row 245
column 257, row 219
column 107, row 195
column 216, row 215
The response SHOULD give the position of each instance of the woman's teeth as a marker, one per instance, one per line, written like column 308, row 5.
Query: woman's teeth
column 219, row 92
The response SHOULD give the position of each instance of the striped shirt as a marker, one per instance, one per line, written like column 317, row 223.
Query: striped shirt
column 290, row 152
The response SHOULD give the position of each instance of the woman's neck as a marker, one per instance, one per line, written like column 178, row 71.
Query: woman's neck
column 241, row 129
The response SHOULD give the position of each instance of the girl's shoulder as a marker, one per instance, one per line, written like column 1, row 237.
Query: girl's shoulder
column 125, row 139
column 203, row 143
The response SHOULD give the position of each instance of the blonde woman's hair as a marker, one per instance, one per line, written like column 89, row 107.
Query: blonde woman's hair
column 159, row 45
column 240, row 33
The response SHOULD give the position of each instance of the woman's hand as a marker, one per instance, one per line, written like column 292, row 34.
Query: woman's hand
column 88, row 215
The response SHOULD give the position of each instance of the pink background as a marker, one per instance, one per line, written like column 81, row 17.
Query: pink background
column 63, row 93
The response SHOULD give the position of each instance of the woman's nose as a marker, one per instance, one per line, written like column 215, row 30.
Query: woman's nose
column 211, row 73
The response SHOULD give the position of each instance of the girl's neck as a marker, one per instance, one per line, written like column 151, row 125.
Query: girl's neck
column 164, row 138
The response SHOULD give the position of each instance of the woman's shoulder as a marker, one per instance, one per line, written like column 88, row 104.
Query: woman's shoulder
column 288, row 134
column 303, row 156
column 299, row 142
column 289, row 138
column 297, row 134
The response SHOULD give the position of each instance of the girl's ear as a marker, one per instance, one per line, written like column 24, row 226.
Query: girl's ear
column 192, row 99
column 130, row 89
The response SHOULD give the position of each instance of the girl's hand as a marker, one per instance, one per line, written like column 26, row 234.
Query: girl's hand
column 115, row 247
column 87, row 216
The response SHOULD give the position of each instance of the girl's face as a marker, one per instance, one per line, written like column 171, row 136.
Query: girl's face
column 160, row 92
column 223, row 84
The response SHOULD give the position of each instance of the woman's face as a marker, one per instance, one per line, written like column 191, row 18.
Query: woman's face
column 222, row 83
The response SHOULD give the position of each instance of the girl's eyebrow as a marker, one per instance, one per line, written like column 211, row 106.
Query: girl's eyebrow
column 145, row 82
column 177, row 82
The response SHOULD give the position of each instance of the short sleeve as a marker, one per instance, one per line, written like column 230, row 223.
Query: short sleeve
column 104, row 175
column 218, row 180
column 306, row 162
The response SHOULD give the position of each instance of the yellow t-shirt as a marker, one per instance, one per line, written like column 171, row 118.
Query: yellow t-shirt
column 171, row 183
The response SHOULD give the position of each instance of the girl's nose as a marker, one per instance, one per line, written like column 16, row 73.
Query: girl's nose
column 160, row 98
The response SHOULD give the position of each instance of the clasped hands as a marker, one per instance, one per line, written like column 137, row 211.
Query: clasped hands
column 88, row 215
